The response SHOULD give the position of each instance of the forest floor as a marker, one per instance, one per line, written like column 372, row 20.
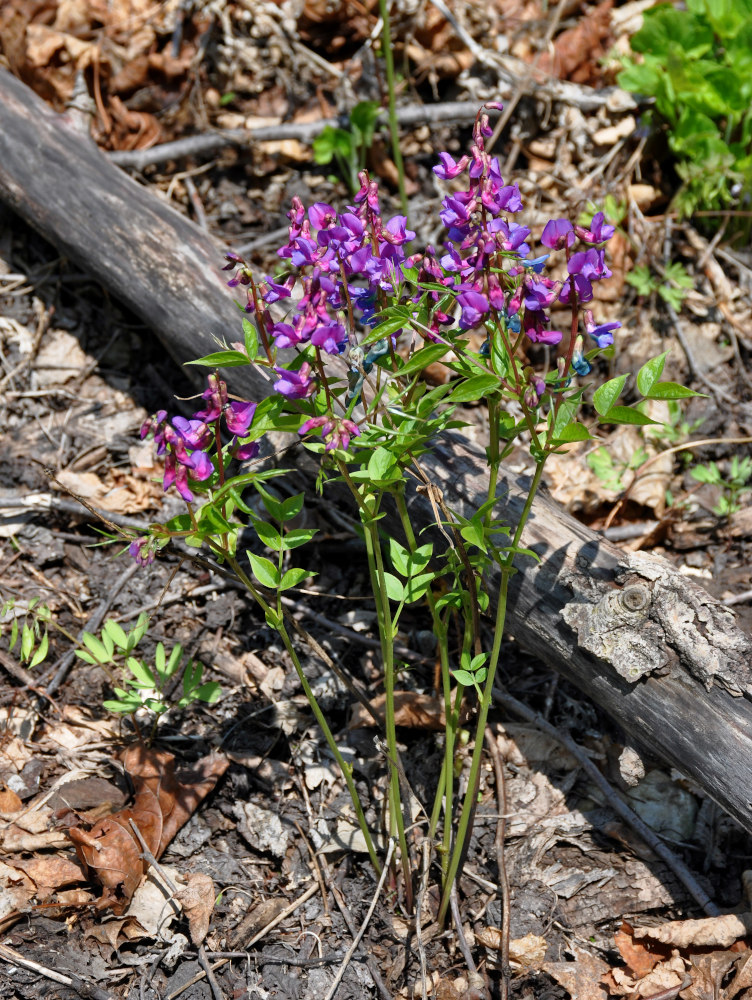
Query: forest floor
column 270, row 873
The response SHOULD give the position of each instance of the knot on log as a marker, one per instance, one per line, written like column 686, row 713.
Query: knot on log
column 618, row 630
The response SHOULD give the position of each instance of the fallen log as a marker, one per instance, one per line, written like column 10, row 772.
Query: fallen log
column 656, row 651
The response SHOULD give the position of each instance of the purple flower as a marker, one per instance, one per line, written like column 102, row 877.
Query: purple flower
column 557, row 234
column 448, row 168
column 539, row 294
column 337, row 431
column 142, row 550
column 276, row 292
column 295, row 385
column 321, row 215
column 194, row 433
column 533, row 326
column 474, row 307
column 598, row 233
column 239, row 417
column 330, row 336
column 244, row 452
column 600, row 332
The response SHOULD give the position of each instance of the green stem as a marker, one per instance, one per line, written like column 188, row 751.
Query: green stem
column 344, row 767
column 468, row 805
column 386, row 44
column 386, row 635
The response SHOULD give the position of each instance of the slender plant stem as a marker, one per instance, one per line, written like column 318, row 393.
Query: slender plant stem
column 378, row 582
column 463, row 825
column 344, row 767
column 386, row 44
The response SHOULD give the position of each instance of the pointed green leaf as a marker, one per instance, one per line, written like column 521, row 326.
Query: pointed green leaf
column 41, row 652
column 117, row 633
column 626, row 415
column 607, row 394
column 222, row 359
column 294, row 576
column 670, row 390
column 394, row 588
column 650, row 373
column 264, row 571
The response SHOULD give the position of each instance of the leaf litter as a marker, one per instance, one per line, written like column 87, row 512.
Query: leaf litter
column 573, row 878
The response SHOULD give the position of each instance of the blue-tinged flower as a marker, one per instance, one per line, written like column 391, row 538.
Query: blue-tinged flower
column 536, row 263
column 330, row 336
column 602, row 333
column 580, row 364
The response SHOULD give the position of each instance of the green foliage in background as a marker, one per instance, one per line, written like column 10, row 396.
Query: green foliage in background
column 697, row 64
column 349, row 147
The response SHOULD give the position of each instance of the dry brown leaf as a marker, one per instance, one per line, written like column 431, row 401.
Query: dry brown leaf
column 576, row 51
column 665, row 976
column 708, row 932
column 581, row 978
column 640, row 957
column 708, row 972
column 524, row 953
column 50, row 873
column 411, row 709
column 742, row 976
column 9, row 802
column 16, row 890
column 197, row 900
column 163, row 802
column 16, row 840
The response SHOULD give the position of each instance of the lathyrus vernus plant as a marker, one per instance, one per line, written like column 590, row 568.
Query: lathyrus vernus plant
column 370, row 315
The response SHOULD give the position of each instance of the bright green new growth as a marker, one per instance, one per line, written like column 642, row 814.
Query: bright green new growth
column 35, row 640
column 672, row 286
column 349, row 147
column 697, row 64
column 732, row 485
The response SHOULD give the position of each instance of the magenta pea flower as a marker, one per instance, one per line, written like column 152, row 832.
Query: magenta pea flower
column 449, row 168
column 474, row 307
column 336, row 432
column 142, row 550
column 598, row 232
column 295, row 385
column 557, row 234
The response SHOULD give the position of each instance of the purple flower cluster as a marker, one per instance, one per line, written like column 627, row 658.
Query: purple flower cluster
column 185, row 443
column 352, row 264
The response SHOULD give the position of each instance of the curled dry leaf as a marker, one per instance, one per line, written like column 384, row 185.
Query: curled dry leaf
column 640, row 957
column 581, row 978
column 411, row 709
column 709, row 932
column 197, row 900
column 524, row 953
column 162, row 803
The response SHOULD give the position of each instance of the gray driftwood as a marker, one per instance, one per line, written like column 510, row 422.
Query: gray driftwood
column 662, row 657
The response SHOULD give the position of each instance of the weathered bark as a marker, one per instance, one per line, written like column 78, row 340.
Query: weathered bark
column 665, row 659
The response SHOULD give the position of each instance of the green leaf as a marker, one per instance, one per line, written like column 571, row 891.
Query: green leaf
column 270, row 502
column 209, row 692
column 138, row 631
column 381, row 465
column 573, row 431
column 671, row 390
column 423, row 358
column 27, row 641
column 96, row 648
column 294, row 576
column 626, row 415
column 474, row 389
column 297, row 537
column 174, row 661
column 142, row 673
column 268, row 534
column 222, row 359
column 394, row 588
column 650, row 373
column 464, row 677
column 122, row 707
column 399, row 556
column 41, row 652
column 264, row 571
column 159, row 658
column 292, row 507
column 606, row 395
column 250, row 335
column 117, row 633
